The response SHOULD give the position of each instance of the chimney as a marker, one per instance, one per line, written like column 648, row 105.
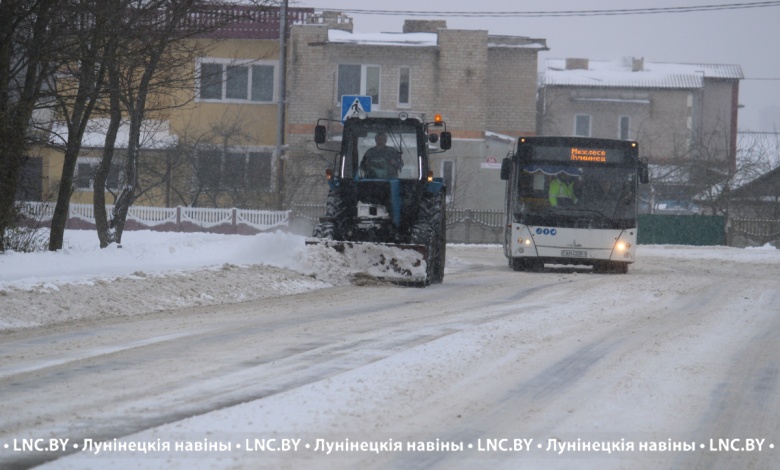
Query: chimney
column 576, row 64
column 424, row 26
column 334, row 20
column 638, row 65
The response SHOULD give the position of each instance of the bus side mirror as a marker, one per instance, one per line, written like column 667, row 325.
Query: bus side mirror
column 446, row 140
column 320, row 134
column 506, row 168
column 644, row 172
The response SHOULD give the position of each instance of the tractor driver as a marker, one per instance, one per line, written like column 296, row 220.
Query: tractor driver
column 381, row 161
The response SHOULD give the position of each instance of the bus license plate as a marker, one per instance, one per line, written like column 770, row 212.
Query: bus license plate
column 574, row 253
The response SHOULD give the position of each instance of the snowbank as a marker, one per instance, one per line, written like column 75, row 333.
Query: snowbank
column 156, row 271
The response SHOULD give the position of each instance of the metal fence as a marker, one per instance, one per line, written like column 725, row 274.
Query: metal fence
column 669, row 229
column 463, row 225
column 475, row 226
column 753, row 232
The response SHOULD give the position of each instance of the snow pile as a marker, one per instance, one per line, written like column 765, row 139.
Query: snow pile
column 156, row 271
column 344, row 261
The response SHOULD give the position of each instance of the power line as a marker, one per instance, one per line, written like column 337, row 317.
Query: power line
column 563, row 13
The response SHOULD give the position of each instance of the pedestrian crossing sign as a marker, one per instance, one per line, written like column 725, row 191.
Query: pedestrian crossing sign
column 352, row 105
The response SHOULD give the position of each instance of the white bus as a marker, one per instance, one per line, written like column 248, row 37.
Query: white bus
column 572, row 201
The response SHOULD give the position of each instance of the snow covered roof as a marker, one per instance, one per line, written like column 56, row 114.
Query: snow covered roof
column 621, row 74
column 426, row 40
column 154, row 134
column 383, row 39
column 521, row 42
column 501, row 137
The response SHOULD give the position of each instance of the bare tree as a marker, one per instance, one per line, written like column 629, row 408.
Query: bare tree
column 757, row 155
column 29, row 31
column 77, row 87
column 157, row 55
column 146, row 35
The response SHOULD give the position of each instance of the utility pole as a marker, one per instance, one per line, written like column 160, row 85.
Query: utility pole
column 280, row 120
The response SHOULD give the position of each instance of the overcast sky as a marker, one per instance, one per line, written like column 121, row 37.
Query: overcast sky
column 747, row 37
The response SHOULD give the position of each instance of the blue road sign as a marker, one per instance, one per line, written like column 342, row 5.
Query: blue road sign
column 354, row 104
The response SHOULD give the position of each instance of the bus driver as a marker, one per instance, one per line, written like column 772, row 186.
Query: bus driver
column 562, row 190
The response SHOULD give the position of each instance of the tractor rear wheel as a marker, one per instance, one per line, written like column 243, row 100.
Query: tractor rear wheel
column 431, row 231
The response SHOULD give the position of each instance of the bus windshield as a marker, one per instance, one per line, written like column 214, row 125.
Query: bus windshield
column 576, row 196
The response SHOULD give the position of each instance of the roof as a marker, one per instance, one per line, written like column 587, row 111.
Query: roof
column 154, row 134
column 383, row 39
column 619, row 74
column 521, row 42
column 427, row 40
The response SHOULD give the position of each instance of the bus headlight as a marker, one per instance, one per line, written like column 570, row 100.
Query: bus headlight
column 622, row 246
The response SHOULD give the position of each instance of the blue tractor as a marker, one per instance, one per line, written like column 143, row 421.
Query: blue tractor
column 384, row 206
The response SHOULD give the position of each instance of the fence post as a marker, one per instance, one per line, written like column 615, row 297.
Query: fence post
column 467, row 223
column 178, row 218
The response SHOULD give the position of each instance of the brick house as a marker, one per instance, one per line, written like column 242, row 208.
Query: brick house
column 483, row 85
column 684, row 117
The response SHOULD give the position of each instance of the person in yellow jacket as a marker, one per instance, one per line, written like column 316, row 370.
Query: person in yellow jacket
column 562, row 190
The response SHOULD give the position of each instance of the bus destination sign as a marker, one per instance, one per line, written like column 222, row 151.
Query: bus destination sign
column 585, row 155
column 588, row 155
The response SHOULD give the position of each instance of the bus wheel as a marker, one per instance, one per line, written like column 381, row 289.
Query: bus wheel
column 610, row 267
column 599, row 267
column 535, row 265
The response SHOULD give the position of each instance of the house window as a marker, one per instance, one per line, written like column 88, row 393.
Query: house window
column 356, row 79
column 209, row 170
column 404, row 75
column 236, row 83
column 625, row 125
column 235, row 169
column 230, row 81
column 448, row 175
column 84, row 179
column 258, row 170
column 582, row 125
column 262, row 83
column 211, row 81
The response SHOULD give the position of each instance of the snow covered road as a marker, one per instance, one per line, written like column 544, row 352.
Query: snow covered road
column 680, row 351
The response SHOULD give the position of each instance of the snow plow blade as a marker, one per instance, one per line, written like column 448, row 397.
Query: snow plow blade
column 402, row 264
